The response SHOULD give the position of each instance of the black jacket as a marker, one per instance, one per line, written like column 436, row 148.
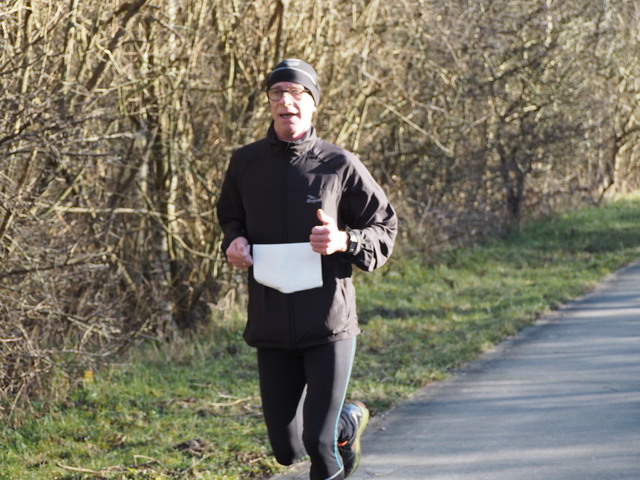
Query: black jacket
column 271, row 193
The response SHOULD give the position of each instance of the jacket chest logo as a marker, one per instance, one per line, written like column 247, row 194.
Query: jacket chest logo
column 313, row 199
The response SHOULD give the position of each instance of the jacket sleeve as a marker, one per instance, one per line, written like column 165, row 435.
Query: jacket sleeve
column 367, row 211
column 229, row 208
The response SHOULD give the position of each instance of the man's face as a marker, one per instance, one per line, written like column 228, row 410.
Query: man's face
column 291, row 116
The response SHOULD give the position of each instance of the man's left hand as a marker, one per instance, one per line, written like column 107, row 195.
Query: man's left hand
column 327, row 238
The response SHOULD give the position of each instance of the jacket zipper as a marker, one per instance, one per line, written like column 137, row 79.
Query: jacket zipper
column 285, row 177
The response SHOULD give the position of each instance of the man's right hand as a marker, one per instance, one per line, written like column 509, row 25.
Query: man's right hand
column 239, row 253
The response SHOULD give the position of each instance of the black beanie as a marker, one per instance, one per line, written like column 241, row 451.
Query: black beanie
column 297, row 71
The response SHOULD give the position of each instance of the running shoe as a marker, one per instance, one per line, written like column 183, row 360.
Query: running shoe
column 358, row 415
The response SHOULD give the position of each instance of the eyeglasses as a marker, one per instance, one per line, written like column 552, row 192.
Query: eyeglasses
column 275, row 94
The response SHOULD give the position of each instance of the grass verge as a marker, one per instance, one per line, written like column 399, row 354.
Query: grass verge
column 192, row 410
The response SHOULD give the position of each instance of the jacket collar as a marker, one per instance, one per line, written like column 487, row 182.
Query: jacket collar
column 298, row 147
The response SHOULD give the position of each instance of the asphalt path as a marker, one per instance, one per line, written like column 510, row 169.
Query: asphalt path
column 559, row 401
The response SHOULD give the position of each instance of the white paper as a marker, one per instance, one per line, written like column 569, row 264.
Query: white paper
column 287, row 267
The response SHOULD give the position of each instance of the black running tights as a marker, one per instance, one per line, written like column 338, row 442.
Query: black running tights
column 303, row 392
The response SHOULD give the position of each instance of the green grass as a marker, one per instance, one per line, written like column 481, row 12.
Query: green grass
column 192, row 410
column 420, row 322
